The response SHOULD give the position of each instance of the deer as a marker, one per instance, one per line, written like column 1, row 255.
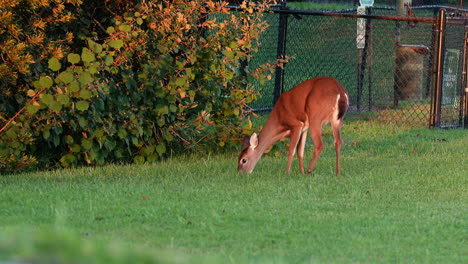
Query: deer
column 306, row 107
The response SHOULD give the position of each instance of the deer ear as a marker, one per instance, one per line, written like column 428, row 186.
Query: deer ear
column 250, row 141
column 253, row 140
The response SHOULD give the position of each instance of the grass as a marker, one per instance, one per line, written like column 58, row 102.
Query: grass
column 401, row 198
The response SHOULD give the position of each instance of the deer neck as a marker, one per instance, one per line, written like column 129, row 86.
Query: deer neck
column 270, row 133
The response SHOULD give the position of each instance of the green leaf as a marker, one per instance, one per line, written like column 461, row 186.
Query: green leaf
column 152, row 158
column 55, row 106
column 93, row 70
column 98, row 133
column 139, row 159
column 161, row 149
column 110, row 30
column 116, row 43
column 135, row 141
column 131, row 84
column 162, row 48
column 85, row 78
column 54, row 64
column 125, row 28
column 122, row 133
column 69, row 139
column 82, row 105
column 87, row 55
column 109, row 60
column 45, row 82
column 99, row 104
column 75, row 148
column 47, row 99
column 32, row 109
column 85, row 94
column 73, row 58
column 233, row 45
column 74, row 87
column 229, row 75
column 169, row 137
column 56, row 140
column 173, row 108
column 63, row 99
column 181, row 82
column 229, row 54
column 66, row 77
column 96, row 47
column 12, row 132
column 148, row 150
column 110, row 144
column 67, row 160
column 86, row 143
column 46, row 134
column 15, row 144
column 161, row 109
column 83, row 122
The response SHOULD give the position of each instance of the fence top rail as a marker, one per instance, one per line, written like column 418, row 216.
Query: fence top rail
column 435, row 7
column 297, row 13
column 347, row 13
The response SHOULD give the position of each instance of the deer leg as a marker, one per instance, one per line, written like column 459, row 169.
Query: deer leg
column 293, row 141
column 336, row 126
column 316, row 135
column 300, row 150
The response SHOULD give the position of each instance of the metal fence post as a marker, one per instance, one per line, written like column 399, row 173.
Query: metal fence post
column 438, row 70
column 281, row 52
column 464, row 96
column 362, row 63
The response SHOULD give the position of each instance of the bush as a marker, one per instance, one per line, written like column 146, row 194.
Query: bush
column 138, row 81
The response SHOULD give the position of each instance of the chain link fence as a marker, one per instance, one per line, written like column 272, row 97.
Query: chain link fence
column 452, row 97
column 385, row 62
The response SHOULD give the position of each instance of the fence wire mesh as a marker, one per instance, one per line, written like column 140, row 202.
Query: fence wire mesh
column 391, row 74
column 452, row 97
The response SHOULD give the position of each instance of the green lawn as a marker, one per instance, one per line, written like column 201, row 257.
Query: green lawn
column 401, row 198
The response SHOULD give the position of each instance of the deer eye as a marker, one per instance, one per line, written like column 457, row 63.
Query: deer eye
column 244, row 161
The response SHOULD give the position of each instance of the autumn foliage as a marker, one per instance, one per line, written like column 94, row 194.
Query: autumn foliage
column 90, row 82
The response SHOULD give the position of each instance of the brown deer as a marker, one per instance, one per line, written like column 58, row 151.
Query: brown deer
column 307, row 106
